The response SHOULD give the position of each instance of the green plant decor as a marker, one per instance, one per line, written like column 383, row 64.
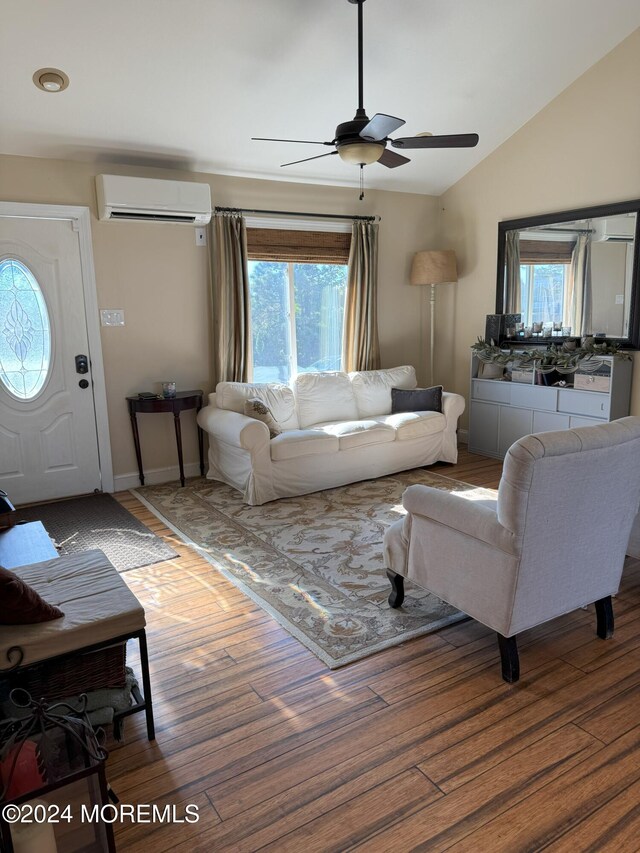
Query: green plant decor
column 551, row 358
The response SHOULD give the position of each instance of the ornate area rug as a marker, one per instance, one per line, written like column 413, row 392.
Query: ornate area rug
column 313, row 562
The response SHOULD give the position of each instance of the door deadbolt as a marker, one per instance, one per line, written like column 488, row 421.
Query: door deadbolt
column 82, row 364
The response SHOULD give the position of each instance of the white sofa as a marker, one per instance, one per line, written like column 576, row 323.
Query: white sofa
column 337, row 429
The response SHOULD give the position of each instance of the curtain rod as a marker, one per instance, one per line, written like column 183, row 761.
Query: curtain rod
column 563, row 230
column 217, row 209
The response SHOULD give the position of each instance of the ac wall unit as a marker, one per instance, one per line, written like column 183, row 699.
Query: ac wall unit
column 151, row 200
column 619, row 229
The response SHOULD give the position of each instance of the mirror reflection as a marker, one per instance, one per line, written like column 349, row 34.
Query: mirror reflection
column 572, row 278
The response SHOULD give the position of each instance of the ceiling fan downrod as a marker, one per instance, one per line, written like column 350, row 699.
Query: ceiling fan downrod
column 360, row 111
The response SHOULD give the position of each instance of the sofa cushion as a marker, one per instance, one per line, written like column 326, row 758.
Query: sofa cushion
column 324, row 397
column 414, row 424
column 302, row 442
column 279, row 398
column 359, row 433
column 372, row 388
column 417, row 400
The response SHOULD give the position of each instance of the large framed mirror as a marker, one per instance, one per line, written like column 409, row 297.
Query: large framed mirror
column 572, row 274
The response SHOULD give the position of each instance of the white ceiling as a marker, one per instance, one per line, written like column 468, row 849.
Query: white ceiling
column 186, row 83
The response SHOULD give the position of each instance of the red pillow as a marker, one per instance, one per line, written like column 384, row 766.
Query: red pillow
column 20, row 604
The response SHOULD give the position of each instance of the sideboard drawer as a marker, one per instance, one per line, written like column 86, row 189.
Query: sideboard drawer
column 534, row 397
column 549, row 421
column 493, row 391
column 588, row 403
column 582, row 422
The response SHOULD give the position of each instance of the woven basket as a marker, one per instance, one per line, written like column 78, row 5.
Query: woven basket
column 77, row 674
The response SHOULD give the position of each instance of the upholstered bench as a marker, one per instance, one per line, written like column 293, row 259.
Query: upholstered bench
column 99, row 611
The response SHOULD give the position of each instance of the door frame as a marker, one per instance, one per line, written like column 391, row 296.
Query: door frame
column 80, row 218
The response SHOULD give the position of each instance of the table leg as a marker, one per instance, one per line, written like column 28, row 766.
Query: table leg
column 136, row 442
column 176, row 423
column 200, row 443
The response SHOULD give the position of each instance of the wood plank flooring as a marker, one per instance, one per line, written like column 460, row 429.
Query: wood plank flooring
column 422, row 746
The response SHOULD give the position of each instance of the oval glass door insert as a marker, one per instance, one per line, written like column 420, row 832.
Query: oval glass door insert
column 25, row 331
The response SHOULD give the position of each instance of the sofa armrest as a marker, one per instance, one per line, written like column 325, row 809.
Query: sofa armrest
column 458, row 513
column 233, row 428
column 453, row 405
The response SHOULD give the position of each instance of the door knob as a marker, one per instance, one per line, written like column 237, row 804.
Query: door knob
column 83, row 383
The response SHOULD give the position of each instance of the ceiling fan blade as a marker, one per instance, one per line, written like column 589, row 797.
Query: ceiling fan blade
column 390, row 159
column 303, row 141
column 380, row 127
column 455, row 140
column 306, row 159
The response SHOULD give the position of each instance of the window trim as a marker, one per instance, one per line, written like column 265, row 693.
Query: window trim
column 531, row 265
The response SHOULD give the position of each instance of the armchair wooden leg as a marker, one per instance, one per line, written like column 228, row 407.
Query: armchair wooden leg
column 510, row 661
column 604, row 616
column 396, row 596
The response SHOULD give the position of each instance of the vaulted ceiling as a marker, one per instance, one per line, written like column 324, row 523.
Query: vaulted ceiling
column 187, row 83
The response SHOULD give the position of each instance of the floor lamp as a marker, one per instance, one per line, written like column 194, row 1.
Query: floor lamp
column 433, row 268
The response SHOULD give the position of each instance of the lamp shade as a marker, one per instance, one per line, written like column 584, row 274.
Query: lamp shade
column 438, row 267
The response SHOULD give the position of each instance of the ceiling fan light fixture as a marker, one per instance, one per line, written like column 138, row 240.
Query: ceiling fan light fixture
column 50, row 79
column 360, row 153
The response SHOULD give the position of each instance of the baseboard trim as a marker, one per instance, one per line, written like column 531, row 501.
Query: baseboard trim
column 154, row 476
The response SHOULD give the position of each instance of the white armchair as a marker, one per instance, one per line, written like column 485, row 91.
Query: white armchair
column 553, row 540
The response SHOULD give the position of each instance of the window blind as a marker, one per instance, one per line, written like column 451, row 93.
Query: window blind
column 546, row 251
column 316, row 247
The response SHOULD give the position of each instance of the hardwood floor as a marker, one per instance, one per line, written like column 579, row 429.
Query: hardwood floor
column 422, row 746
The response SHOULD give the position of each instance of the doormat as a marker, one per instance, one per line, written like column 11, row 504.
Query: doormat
column 313, row 562
column 99, row 521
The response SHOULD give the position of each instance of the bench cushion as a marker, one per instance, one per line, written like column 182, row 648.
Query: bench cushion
column 97, row 604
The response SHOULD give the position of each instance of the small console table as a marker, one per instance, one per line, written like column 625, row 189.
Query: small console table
column 183, row 400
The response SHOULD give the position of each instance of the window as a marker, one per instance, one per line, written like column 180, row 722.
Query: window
column 297, row 314
column 542, row 294
column 545, row 266
column 297, row 287
column 25, row 337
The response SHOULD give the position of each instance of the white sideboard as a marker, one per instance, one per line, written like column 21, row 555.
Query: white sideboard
column 501, row 412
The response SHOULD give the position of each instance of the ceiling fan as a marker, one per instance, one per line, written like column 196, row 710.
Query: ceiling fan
column 363, row 141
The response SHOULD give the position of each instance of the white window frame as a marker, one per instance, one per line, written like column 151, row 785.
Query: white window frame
column 530, row 284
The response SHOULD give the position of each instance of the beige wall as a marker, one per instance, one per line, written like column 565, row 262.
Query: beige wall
column 159, row 277
column 608, row 270
column 581, row 150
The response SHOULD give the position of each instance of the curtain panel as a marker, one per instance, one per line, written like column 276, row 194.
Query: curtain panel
column 361, row 348
column 230, row 286
column 512, row 272
column 578, row 297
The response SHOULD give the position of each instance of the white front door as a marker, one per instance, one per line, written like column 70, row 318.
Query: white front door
column 48, row 434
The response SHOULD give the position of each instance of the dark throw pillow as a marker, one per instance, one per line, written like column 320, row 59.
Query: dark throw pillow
column 416, row 400
column 20, row 604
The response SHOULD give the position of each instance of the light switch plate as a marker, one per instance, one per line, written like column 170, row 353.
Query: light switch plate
column 112, row 317
column 619, row 298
